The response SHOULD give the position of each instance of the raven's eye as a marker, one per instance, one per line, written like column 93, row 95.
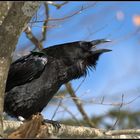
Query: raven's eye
column 82, row 44
column 85, row 45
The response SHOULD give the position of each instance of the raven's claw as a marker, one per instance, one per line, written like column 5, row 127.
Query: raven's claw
column 54, row 123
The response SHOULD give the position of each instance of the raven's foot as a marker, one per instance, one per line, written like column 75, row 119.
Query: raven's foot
column 54, row 123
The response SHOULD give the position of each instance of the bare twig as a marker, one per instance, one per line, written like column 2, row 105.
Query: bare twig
column 126, row 37
column 33, row 39
column 44, row 29
column 29, row 34
column 79, row 105
column 102, row 102
column 73, row 116
column 96, row 31
column 57, row 109
column 118, row 113
column 66, row 17
column 132, row 100
column 47, row 26
column 58, row 6
column 80, row 85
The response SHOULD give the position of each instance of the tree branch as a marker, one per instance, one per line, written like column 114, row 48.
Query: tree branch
column 32, row 38
column 78, row 104
column 66, row 17
column 34, row 128
column 44, row 28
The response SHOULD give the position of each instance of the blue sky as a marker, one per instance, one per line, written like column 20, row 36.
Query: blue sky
column 117, row 72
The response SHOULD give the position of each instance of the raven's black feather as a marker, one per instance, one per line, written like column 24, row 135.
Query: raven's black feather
column 25, row 69
column 35, row 78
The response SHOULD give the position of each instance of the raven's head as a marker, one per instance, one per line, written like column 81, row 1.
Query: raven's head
column 90, row 51
column 84, row 54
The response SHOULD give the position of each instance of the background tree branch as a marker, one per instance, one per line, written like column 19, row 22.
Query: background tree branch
column 79, row 105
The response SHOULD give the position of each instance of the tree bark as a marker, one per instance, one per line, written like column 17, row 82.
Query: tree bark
column 17, row 17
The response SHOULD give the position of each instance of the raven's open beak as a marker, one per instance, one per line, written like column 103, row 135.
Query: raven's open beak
column 96, row 50
column 99, row 41
column 100, row 51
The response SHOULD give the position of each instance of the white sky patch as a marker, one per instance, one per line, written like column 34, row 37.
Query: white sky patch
column 120, row 15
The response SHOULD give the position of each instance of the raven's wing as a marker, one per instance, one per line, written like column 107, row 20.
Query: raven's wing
column 25, row 69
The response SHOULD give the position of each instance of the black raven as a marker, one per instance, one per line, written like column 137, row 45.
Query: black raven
column 35, row 78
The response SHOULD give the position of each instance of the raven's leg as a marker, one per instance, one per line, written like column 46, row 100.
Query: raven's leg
column 54, row 123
